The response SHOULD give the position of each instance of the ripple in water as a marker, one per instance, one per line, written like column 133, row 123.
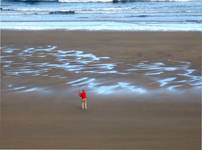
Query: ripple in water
column 81, row 69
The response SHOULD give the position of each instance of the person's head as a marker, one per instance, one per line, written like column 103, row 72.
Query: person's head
column 83, row 90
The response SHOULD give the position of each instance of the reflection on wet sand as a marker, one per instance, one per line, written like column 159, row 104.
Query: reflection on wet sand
column 24, row 69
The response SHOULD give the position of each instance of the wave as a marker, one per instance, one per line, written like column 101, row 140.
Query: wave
column 194, row 21
column 83, row 1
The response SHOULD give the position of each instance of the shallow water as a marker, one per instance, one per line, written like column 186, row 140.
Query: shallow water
column 45, row 68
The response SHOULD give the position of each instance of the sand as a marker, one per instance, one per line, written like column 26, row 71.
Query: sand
column 158, row 120
column 119, row 45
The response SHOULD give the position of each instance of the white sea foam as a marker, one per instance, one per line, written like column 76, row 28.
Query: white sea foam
column 96, row 26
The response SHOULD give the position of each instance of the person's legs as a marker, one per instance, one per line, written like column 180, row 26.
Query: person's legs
column 85, row 104
column 82, row 105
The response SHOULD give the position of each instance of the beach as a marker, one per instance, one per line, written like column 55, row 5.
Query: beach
column 134, row 101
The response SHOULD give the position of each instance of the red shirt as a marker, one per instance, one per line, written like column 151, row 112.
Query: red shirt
column 83, row 95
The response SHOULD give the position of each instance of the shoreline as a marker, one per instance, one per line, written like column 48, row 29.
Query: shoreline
column 105, row 30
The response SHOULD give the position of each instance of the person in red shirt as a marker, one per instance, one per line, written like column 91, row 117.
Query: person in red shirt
column 83, row 96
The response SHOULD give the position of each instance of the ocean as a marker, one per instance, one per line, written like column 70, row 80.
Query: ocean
column 147, row 15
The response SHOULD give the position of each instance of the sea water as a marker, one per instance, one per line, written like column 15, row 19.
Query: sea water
column 147, row 15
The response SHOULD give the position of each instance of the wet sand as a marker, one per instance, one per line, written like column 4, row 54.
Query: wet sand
column 119, row 45
column 151, row 116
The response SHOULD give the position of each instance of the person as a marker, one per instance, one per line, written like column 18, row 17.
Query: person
column 83, row 96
